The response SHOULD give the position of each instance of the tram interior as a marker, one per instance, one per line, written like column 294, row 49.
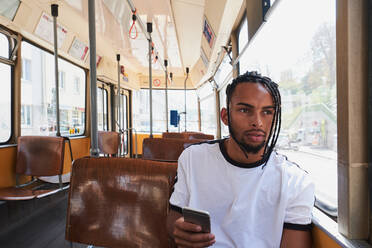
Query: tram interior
column 162, row 68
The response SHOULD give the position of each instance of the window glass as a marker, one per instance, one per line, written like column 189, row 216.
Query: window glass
column 5, row 101
column 176, row 101
column 102, row 109
column 8, row 8
column 38, row 95
column 4, row 46
column 208, row 115
column 302, row 60
column 141, row 110
column 26, row 69
column 205, row 90
column 224, row 71
column 243, row 34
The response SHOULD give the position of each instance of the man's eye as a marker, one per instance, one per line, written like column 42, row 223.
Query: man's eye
column 243, row 110
column 268, row 112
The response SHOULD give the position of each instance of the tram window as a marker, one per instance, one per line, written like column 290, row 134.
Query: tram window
column 208, row 115
column 302, row 61
column 4, row 48
column 77, row 85
column 5, row 92
column 62, row 79
column 205, row 90
column 102, row 109
column 5, row 102
column 243, row 34
column 26, row 69
column 224, row 71
column 8, row 8
column 38, row 92
column 175, row 102
column 142, row 110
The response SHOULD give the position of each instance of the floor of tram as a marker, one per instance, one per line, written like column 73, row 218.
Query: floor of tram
column 44, row 229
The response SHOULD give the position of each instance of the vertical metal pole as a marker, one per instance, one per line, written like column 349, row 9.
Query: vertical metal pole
column 54, row 8
column 149, row 30
column 166, row 92
column 94, row 151
column 187, row 76
column 112, row 108
column 118, row 105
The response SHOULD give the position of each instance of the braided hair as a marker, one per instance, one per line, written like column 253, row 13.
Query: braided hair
column 272, row 88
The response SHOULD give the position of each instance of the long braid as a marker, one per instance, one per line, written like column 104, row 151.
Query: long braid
column 254, row 77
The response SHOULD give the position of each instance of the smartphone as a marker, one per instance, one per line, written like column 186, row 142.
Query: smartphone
column 197, row 217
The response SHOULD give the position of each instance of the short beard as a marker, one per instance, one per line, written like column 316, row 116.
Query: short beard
column 252, row 149
column 247, row 147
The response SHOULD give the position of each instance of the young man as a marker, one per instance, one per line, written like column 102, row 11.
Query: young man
column 255, row 197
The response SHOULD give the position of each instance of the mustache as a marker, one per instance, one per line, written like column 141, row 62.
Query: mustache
column 256, row 131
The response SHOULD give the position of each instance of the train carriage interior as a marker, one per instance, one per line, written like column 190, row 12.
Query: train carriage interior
column 100, row 97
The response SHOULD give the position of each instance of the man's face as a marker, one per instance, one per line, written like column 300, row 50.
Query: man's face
column 251, row 115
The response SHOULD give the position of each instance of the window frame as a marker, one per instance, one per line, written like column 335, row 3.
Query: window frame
column 86, row 82
column 10, row 62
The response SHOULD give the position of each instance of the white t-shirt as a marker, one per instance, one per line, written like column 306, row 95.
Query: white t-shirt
column 249, row 207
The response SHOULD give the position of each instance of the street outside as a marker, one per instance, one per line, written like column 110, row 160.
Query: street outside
column 322, row 166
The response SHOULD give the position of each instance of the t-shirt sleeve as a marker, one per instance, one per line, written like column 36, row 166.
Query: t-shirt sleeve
column 300, row 205
column 181, row 194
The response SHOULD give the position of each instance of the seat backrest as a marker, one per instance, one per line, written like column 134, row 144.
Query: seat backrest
column 108, row 142
column 119, row 202
column 164, row 149
column 172, row 135
column 200, row 136
column 40, row 155
column 187, row 135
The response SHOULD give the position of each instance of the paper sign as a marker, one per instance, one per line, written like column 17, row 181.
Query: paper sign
column 44, row 30
column 208, row 32
column 78, row 49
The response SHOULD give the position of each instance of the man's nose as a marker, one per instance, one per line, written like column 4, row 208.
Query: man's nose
column 256, row 120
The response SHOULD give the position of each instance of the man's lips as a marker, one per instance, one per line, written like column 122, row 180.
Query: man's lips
column 255, row 136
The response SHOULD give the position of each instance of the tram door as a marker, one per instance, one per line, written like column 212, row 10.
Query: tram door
column 124, row 123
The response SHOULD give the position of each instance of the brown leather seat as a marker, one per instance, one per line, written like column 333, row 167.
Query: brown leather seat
column 187, row 135
column 36, row 156
column 163, row 149
column 119, row 202
column 200, row 136
column 108, row 142
column 172, row 135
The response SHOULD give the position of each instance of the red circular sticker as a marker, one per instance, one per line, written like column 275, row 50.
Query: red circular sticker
column 156, row 82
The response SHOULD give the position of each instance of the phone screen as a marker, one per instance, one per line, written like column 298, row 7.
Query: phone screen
column 197, row 217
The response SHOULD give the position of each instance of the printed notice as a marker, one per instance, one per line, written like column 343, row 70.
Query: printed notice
column 208, row 32
column 78, row 49
column 44, row 30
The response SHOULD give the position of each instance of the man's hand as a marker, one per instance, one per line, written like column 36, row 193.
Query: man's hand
column 189, row 235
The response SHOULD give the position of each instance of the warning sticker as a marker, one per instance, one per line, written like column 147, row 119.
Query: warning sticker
column 156, row 82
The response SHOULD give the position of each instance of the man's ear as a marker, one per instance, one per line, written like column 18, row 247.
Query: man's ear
column 224, row 116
